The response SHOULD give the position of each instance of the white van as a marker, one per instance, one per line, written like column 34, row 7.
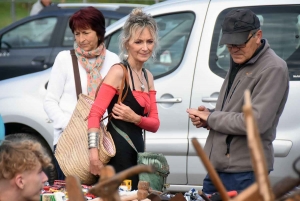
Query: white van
column 189, row 70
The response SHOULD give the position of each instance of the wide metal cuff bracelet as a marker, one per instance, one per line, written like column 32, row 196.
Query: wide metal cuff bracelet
column 93, row 140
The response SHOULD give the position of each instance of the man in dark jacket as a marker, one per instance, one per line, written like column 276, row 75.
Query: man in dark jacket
column 254, row 66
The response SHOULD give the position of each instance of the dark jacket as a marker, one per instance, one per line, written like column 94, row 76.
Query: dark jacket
column 266, row 76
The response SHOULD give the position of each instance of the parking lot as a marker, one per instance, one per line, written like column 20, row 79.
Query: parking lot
column 188, row 71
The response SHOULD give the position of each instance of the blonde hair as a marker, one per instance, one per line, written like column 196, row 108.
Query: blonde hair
column 137, row 20
column 20, row 156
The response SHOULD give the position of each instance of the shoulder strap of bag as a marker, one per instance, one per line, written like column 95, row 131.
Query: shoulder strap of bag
column 124, row 79
column 121, row 96
column 124, row 135
column 76, row 73
column 146, row 76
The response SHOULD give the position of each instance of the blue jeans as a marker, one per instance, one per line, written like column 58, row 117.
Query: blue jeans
column 60, row 174
column 231, row 181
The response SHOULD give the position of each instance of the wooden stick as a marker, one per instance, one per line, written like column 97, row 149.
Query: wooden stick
column 107, row 187
column 74, row 189
column 284, row 186
column 256, row 151
column 249, row 194
column 211, row 170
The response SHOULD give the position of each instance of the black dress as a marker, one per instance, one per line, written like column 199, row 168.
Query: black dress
column 126, row 156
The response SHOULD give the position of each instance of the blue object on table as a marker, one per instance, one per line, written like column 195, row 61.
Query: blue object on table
column 2, row 130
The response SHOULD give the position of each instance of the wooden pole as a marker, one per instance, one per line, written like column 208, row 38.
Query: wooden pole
column 211, row 170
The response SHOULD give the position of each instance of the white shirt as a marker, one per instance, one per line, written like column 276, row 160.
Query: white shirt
column 61, row 98
column 37, row 7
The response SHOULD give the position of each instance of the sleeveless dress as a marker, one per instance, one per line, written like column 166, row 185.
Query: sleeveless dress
column 126, row 156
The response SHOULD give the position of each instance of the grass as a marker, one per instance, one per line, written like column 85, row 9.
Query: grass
column 21, row 10
column 22, row 7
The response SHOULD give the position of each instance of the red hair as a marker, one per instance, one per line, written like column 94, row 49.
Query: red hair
column 88, row 18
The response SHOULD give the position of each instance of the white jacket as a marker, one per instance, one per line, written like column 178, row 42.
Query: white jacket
column 61, row 98
column 36, row 7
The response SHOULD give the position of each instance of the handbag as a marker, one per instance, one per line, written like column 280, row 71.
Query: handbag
column 72, row 151
column 157, row 179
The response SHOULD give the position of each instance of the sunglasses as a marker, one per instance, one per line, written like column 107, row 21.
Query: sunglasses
column 240, row 45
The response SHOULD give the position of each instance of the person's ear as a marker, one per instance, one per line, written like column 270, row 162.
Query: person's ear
column 19, row 181
column 258, row 36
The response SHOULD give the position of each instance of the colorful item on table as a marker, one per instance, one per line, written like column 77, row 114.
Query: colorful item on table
column 126, row 185
column 57, row 192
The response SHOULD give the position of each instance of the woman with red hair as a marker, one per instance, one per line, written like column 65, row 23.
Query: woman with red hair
column 94, row 61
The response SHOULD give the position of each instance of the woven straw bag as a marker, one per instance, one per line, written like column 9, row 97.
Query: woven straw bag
column 72, row 151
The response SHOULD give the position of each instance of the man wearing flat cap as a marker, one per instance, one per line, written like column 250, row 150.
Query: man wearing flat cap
column 254, row 66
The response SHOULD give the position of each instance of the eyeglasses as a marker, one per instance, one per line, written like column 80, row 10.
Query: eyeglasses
column 240, row 45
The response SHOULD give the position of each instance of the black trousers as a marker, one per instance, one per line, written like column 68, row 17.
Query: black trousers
column 60, row 174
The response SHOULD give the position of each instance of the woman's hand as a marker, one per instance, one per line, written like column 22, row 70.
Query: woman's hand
column 95, row 163
column 125, row 113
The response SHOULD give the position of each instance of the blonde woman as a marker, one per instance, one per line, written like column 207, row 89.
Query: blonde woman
column 138, row 111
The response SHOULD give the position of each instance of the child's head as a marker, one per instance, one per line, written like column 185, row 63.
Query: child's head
column 21, row 164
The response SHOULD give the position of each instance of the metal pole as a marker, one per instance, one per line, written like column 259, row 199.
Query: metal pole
column 13, row 10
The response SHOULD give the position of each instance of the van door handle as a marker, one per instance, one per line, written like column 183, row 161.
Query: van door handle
column 169, row 100
column 209, row 99
column 40, row 59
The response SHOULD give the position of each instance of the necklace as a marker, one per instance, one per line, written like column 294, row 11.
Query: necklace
column 141, row 80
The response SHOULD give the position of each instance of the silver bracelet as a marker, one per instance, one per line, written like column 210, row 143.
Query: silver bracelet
column 93, row 140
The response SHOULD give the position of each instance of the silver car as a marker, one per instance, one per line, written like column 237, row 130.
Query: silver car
column 189, row 70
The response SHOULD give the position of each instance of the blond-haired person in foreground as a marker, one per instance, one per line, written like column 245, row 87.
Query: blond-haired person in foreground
column 22, row 176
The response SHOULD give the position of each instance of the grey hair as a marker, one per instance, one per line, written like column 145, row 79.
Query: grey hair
column 137, row 19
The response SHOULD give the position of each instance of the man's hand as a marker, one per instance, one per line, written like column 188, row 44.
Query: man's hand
column 199, row 116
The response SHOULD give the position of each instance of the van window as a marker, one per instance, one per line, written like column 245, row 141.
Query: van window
column 174, row 32
column 36, row 33
column 280, row 26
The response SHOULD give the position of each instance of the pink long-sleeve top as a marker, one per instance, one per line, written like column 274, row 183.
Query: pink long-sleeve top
column 148, row 101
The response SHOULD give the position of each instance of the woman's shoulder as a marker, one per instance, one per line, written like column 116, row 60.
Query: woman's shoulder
column 116, row 71
column 62, row 62
column 64, row 54
column 118, row 67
